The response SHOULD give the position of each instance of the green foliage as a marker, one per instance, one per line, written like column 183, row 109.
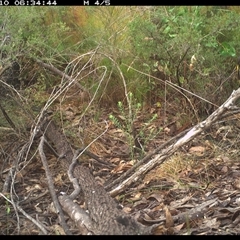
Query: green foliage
column 37, row 34
column 162, row 39
column 107, row 29
column 8, row 209
column 146, row 134
column 227, row 50
column 151, row 39
column 126, row 121
column 126, row 125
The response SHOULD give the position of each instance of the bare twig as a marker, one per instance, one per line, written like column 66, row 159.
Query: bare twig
column 9, row 120
column 51, row 187
column 7, row 182
column 80, row 217
column 60, row 73
column 38, row 224
column 74, row 180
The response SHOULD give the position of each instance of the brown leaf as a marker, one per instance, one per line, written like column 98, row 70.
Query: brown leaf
column 235, row 215
column 158, row 207
column 160, row 230
column 224, row 169
column 158, row 197
column 136, row 197
column 127, row 209
column 38, row 209
column 59, row 178
column 197, row 150
column 122, row 166
column 169, row 218
column 58, row 230
column 115, row 160
column 147, row 217
column 236, row 183
column 179, row 227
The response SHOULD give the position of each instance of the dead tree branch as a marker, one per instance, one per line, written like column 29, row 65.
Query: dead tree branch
column 60, row 73
column 7, row 117
column 51, row 187
column 144, row 160
column 228, row 105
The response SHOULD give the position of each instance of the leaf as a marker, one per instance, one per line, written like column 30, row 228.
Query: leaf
column 58, row 230
column 38, row 209
column 122, row 166
column 160, row 230
column 156, row 196
column 179, row 227
column 136, row 197
column 166, row 30
column 158, row 104
column 228, row 50
column 181, row 79
column 169, row 218
column 197, row 150
column 8, row 210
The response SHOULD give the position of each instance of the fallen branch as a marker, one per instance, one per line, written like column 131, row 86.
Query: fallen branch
column 60, row 73
column 123, row 176
column 105, row 215
column 51, row 187
column 37, row 223
column 9, row 120
column 191, row 134
column 78, row 215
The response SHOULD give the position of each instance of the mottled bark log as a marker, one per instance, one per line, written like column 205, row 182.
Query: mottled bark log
column 104, row 212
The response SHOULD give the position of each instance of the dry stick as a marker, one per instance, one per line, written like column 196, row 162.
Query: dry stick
column 78, row 215
column 234, row 112
column 74, row 181
column 193, row 132
column 51, row 187
column 38, row 224
column 191, row 214
column 7, row 182
column 7, row 117
column 27, row 200
column 60, row 73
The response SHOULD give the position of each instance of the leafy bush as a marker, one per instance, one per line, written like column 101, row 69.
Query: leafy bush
column 194, row 47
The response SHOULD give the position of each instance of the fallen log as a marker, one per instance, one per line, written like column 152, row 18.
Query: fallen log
column 104, row 215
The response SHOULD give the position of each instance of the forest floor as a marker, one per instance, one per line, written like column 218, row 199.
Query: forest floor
column 194, row 192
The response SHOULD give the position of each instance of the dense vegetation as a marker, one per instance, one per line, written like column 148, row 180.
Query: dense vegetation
column 146, row 70
column 164, row 57
column 192, row 47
